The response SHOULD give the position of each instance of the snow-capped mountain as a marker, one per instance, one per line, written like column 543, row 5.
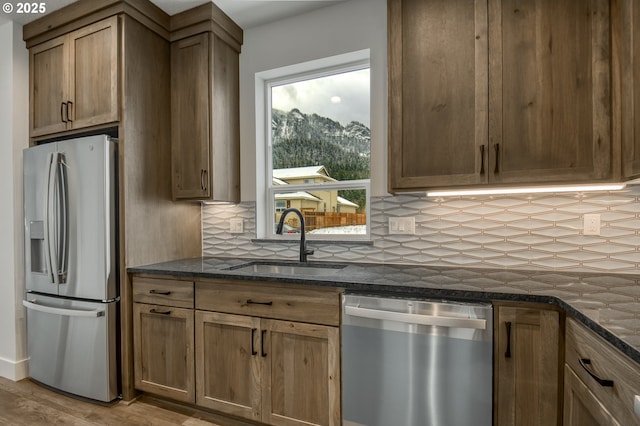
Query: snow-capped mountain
column 354, row 137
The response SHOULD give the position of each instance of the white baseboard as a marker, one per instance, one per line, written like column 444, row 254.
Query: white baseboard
column 14, row 370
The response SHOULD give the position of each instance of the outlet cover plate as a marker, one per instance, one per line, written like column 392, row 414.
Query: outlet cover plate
column 591, row 224
column 236, row 226
column 402, row 225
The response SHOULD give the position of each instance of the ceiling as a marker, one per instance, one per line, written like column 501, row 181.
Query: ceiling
column 246, row 13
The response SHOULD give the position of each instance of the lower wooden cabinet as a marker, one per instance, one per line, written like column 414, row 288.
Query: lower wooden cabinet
column 527, row 366
column 273, row 371
column 601, row 383
column 252, row 350
column 228, row 364
column 163, row 351
column 163, row 337
column 301, row 375
column 581, row 406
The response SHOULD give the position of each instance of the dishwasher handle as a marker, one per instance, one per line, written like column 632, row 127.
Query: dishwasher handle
column 440, row 321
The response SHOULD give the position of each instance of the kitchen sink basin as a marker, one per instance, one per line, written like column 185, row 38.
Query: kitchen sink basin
column 288, row 268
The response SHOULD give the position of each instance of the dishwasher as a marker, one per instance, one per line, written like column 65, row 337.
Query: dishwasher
column 416, row 363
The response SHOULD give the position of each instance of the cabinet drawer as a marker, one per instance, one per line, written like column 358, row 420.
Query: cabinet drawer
column 318, row 306
column 168, row 292
column 607, row 363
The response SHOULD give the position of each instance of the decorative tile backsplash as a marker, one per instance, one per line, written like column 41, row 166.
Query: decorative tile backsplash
column 520, row 232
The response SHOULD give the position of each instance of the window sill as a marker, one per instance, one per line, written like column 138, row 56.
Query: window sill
column 312, row 242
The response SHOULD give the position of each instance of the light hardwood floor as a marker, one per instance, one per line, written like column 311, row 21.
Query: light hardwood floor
column 27, row 403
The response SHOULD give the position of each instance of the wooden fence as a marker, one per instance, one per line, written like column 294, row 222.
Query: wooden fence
column 315, row 220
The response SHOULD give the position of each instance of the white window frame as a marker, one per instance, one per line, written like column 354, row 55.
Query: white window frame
column 265, row 190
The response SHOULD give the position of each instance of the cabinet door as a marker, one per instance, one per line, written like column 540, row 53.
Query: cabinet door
column 93, row 74
column 550, row 103
column 438, row 93
column 627, row 19
column 301, row 380
column 527, row 366
column 581, row 407
column 48, row 86
column 163, row 351
column 228, row 363
column 190, row 117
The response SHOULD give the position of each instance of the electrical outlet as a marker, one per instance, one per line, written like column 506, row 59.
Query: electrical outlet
column 591, row 224
column 236, row 226
column 402, row 225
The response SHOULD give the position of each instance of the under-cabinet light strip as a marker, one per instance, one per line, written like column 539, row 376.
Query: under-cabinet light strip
column 527, row 190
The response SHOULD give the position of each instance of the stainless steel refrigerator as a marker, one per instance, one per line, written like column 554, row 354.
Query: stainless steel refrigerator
column 70, row 229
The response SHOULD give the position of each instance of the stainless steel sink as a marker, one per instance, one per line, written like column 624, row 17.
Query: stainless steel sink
column 288, row 268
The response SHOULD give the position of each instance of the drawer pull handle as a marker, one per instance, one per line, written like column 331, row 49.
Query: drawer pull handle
column 603, row 382
column 253, row 346
column 252, row 302
column 507, row 353
column 496, row 170
column 262, row 336
column 482, row 159
column 164, row 293
column 154, row 311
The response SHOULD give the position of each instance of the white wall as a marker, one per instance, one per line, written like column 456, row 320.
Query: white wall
column 14, row 80
column 334, row 30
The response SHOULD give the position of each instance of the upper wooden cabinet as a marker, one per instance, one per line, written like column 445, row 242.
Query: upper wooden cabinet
column 205, row 119
column 438, row 93
column 626, row 16
column 498, row 92
column 549, row 96
column 74, row 79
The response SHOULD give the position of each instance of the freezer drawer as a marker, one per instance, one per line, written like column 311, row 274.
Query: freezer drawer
column 72, row 345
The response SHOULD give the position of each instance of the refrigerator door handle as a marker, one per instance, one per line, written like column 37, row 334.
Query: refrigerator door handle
column 107, row 230
column 49, row 239
column 61, row 311
column 64, row 219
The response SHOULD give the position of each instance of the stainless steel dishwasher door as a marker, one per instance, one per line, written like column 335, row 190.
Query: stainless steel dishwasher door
column 416, row 363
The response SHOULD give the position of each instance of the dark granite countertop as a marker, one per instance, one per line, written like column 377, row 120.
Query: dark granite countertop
column 608, row 304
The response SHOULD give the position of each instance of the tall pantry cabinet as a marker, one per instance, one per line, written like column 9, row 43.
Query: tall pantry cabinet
column 104, row 66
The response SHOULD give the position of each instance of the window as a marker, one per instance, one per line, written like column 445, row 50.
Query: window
column 281, row 205
column 318, row 151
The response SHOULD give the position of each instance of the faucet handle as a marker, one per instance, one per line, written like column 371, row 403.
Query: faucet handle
column 309, row 251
